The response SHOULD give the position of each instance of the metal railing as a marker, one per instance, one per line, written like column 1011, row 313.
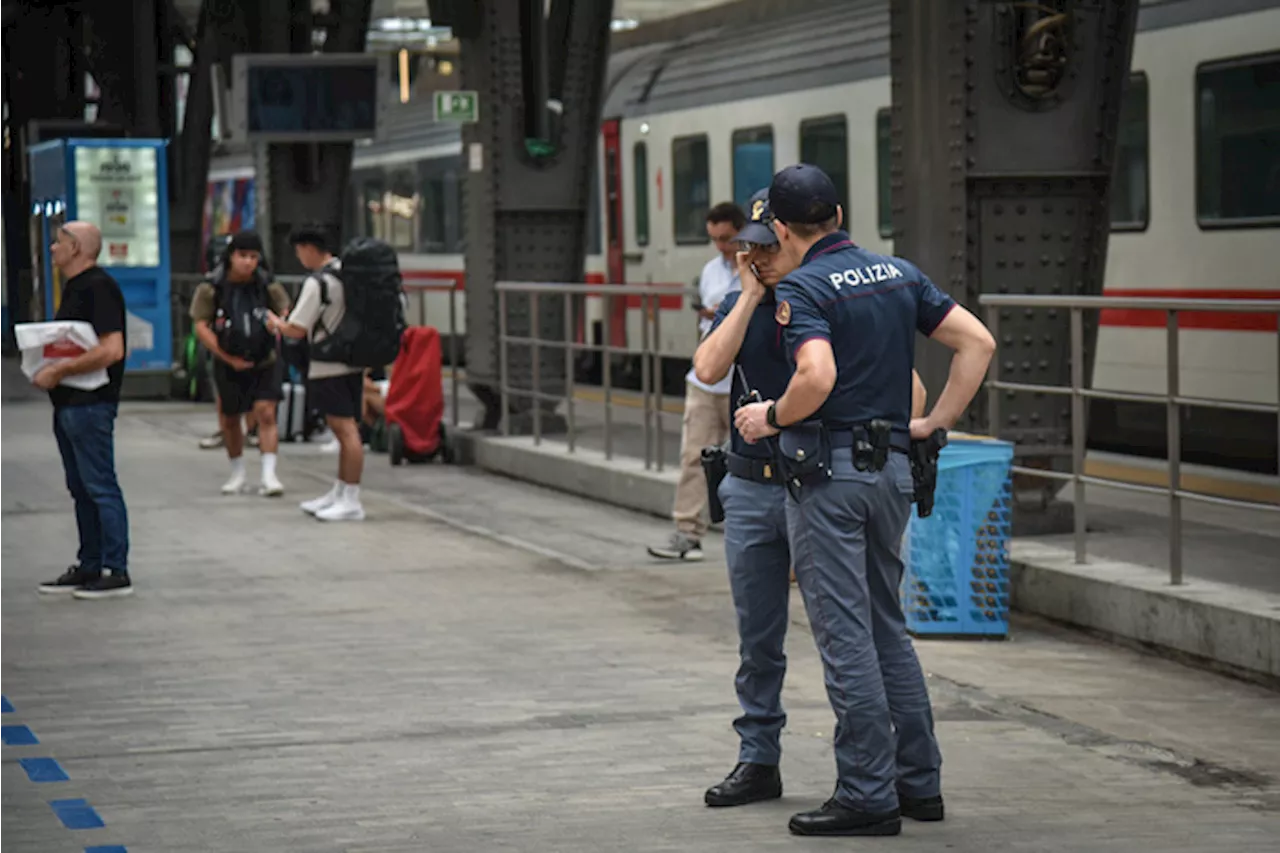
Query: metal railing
column 649, row 353
column 183, row 286
column 1172, row 399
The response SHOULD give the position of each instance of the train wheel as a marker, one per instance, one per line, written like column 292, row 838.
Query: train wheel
column 395, row 443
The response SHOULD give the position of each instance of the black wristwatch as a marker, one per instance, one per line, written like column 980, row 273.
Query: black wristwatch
column 771, row 416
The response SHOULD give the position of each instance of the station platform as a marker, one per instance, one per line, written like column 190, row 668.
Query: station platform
column 486, row 664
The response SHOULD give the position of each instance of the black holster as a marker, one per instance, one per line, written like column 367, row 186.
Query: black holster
column 715, row 466
column 804, row 454
column 924, row 470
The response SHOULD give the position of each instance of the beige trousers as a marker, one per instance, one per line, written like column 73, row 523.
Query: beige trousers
column 706, row 423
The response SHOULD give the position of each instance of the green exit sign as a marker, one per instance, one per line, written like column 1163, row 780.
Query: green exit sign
column 457, row 106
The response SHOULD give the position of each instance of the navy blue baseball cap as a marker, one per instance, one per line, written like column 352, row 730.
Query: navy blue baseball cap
column 803, row 193
column 757, row 230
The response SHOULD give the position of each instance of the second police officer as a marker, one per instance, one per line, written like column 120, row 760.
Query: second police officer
column 745, row 339
column 849, row 319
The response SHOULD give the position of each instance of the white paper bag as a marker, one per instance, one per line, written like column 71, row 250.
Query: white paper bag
column 43, row 344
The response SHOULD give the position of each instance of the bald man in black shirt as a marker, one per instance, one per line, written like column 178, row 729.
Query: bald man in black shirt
column 84, row 421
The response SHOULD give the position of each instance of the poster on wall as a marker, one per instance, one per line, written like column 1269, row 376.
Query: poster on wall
column 117, row 188
column 229, row 207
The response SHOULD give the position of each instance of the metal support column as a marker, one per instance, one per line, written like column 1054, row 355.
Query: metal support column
column 1004, row 119
column 525, row 201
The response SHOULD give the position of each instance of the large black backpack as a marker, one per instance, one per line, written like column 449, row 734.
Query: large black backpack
column 373, row 315
column 241, row 321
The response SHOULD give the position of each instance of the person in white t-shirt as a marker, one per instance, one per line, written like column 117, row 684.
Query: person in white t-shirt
column 706, row 407
column 335, row 390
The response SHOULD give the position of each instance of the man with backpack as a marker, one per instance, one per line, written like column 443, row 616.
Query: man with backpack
column 230, row 315
column 334, row 388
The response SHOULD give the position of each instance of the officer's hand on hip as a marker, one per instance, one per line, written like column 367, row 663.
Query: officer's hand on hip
column 751, row 421
column 922, row 428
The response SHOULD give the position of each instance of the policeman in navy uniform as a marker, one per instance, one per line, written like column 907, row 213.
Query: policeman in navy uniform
column 849, row 318
column 745, row 339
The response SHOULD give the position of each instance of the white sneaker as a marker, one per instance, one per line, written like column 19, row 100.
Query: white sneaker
column 235, row 485
column 271, row 486
column 314, row 505
column 342, row 510
column 331, row 446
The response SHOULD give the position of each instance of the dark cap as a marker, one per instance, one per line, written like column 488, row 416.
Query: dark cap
column 803, row 193
column 757, row 230
column 245, row 241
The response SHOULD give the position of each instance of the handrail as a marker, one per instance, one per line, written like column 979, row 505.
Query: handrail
column 650, row 296
column 1171, row 398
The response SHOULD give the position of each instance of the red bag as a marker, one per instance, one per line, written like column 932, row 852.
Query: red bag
column 415, row 399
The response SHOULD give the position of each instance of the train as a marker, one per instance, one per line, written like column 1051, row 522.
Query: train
column 687, row 123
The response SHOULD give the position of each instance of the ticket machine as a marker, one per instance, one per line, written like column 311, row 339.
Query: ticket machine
column 121, row 186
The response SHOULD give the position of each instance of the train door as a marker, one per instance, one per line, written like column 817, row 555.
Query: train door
column 613, row 237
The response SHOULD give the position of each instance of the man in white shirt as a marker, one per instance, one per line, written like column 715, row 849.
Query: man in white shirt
column 706, row 407
column 335, row 390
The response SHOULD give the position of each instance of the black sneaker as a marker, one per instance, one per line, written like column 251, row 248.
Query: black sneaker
column 106, row 586
column 69, row 581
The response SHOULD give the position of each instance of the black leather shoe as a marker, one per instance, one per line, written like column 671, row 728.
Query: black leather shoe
column 748, row 783
column 921, row 808
column 835, row 819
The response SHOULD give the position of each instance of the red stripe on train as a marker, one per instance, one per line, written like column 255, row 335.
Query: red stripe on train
column 1222, row 321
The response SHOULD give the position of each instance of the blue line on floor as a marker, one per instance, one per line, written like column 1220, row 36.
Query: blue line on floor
column 5, row 705
column 76, row 814
column 43, row 770
column 17, row 736
column 109, row 848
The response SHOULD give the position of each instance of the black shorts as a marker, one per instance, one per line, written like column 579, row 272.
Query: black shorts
column 239, row 390
column 337, row 396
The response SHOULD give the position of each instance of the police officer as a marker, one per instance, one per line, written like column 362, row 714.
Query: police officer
column 744, row 339
column 849, row 318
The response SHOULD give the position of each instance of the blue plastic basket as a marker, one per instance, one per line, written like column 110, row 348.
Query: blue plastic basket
column 956, row 581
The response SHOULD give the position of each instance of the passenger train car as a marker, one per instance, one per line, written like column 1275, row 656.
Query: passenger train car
column 1195, row 208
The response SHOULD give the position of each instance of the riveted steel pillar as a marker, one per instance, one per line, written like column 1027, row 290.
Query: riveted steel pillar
column 525, row 196
column 1004, row 124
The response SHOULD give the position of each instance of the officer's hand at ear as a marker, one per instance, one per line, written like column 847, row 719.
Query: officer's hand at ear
column 751, row 286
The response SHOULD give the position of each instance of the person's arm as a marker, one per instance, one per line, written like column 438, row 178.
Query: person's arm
column 715, row 355
column 943, row 320
column 107, row 316
column 919, row 395
column 305, row 313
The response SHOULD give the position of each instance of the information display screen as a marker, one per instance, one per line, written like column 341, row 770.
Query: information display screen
column 118, row 190
column 339, row 99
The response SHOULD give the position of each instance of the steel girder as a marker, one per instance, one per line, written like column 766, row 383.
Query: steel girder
column 1004, row 124
column 530, row 157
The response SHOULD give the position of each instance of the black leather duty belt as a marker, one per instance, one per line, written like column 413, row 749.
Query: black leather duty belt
column 848, row 436
column 758, row 470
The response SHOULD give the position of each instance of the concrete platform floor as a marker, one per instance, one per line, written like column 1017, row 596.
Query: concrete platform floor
column 487, row 665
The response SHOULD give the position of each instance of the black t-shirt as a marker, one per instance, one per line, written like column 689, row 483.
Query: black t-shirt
column 94, row 297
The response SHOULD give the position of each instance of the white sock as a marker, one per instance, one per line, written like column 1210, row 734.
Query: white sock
column 351, row 493
column 336, row 491
column 268, row 465
column 237, row 466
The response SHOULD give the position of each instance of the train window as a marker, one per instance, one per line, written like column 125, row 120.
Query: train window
column 824, row 142
column 1237, row 137
column 752, row 162
column 640, row 192
column 1129, row 195
column 691, row 188
column 373, row 209
column 402, row 209
column 884, row 183
column 439, row 206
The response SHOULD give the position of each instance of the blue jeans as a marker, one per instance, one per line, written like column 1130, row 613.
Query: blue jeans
column 86, row 441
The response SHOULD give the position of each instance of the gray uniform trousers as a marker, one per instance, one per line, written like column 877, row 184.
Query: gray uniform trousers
column 845, row 537
column 755, row 544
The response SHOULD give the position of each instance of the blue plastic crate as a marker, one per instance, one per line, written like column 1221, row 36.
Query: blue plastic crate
column 956, row 581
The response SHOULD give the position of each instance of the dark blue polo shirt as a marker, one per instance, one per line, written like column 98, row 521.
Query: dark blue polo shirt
column 763, row 359
column 869, row 307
